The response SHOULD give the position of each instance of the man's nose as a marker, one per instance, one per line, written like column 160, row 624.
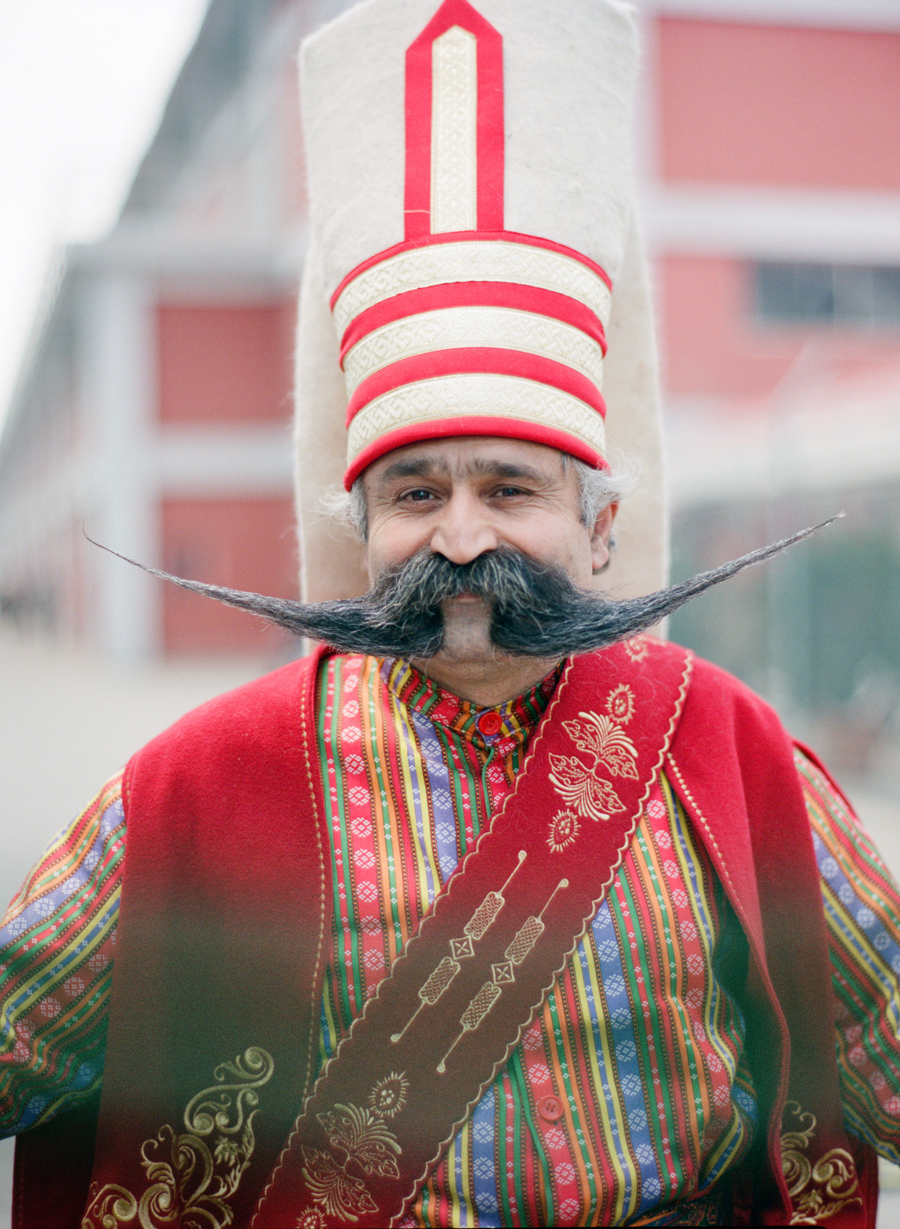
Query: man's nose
column 463, row 530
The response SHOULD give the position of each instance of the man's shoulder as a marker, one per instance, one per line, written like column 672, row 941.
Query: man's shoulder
column 254, row 714
column 717, row 684
column 716, row 703
column 723, row 718
column 708, row 683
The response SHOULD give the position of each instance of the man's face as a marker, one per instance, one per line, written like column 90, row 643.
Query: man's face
column 464, row 496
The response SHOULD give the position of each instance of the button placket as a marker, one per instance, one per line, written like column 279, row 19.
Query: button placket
column 489, row 724
column 550, row 1108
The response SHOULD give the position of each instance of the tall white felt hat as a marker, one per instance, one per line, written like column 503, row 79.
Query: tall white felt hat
column 474, row 266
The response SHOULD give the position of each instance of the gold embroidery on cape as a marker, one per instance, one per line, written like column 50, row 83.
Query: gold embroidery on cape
column 563, row 830
column 637, row 648
column 361, row 1135
column 601, row 736
column 503, row 973
column 817, row 1190
column 312, row 1218
column 461, row 949
column 205, row 1162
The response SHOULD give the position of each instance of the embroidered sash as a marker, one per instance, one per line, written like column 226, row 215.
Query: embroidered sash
column 467, row 986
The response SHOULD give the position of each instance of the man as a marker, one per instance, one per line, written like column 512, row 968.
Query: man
column 568, row 937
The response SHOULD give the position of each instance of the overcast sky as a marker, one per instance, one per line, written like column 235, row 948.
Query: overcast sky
column 82, row 85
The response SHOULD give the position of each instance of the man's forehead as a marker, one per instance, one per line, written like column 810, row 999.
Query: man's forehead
column 469, row 458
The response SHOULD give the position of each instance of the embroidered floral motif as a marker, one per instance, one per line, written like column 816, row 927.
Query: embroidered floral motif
column 355, row 1133
column 637, row 648
column 388, row 1096
column 818, row 1190
column 563, row 830
column 342, row 1196
column 205, row 1162
column 620, row 703
column 600, row 735
column 312, row 1218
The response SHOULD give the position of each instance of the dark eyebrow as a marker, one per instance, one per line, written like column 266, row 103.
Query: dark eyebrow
column 423, row 467
column 414, row 467
column 508, row 469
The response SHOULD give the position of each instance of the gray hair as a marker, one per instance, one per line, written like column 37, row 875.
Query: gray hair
column 597, row 489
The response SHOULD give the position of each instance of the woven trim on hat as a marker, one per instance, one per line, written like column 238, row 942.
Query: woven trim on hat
column 476, row 360
column 500, row 258
column 475, row 294
column 454, row 124
column 455, row 327
column 474, row 404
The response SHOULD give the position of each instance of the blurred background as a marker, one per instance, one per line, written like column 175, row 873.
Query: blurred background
column 152, row 238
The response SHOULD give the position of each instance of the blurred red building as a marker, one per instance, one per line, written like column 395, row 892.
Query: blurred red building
column 154, row 406
column 771, row 176
column 774, row 211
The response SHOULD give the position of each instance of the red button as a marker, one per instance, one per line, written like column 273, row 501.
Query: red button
column 489, row 724
column 550, row 1108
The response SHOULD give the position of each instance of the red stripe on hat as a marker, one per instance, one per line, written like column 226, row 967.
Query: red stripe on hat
column 468, row 236
column 489, row 121
column 444, row 428
column 491, row 137
column 476, row 360
column 475, row 294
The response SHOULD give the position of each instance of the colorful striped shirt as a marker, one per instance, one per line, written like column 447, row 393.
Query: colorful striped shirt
column 628, row 1095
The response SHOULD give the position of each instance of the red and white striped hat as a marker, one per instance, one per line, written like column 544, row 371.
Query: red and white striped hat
column 471, row 213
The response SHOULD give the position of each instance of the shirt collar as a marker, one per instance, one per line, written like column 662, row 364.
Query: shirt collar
column 515, row 719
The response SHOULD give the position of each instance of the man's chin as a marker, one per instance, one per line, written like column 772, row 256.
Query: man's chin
column 466, row 642
column 455, row 652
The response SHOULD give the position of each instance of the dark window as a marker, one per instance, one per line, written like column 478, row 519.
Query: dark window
column 843, row 294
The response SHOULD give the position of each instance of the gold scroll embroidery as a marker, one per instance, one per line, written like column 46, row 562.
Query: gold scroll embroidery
column 817, row 1190
column 358, row 1134
column 191, row 1176
column 581, row 786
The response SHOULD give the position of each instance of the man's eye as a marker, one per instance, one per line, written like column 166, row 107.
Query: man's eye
column 509, row 492
column 418, row 496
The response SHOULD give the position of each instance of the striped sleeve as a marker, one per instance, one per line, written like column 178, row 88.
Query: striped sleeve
column 862, row 910
column 56, row 950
